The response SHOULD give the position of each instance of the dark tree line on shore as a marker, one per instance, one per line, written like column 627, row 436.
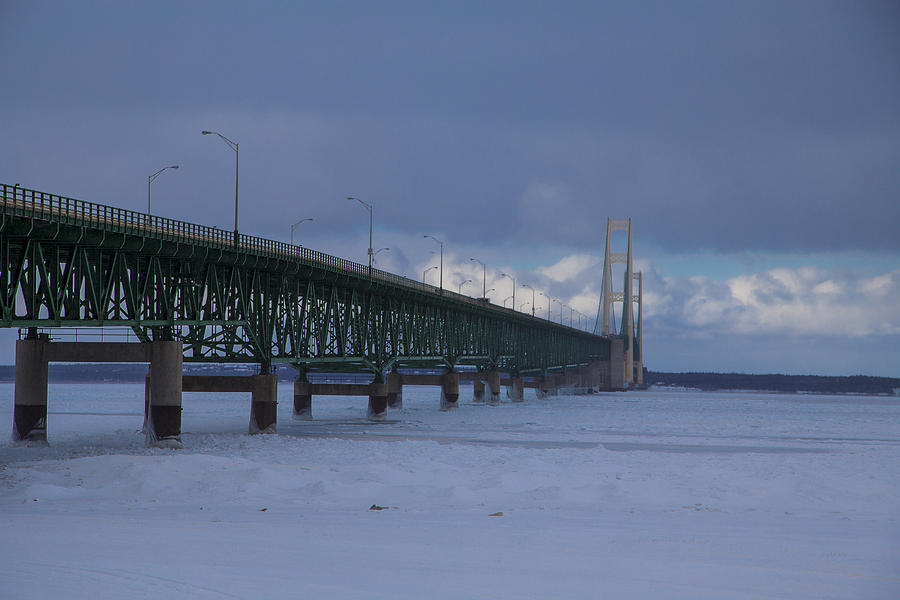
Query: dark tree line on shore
column 855, row 384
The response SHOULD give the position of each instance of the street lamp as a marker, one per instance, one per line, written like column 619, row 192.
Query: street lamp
column 548, row 304
column 514, row 287
column 233, row 146
column 525, row 285
column 374, row 256
column 523, row 305
column 483, row 277
column 507, row 298
column 442, row 257
column 579, row 318
column 459, row 289
column 426, row 270
column 560, row 310
column 149, row 181
column 294, row 226
column 369, row 206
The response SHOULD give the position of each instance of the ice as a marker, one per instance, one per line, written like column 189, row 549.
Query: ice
column 663, row 494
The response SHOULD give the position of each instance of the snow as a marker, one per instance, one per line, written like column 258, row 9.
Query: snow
column 663, row 494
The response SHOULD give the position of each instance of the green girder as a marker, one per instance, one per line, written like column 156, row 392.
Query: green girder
column 69, row 263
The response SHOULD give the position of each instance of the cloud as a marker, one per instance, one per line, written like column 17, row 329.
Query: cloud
column 569, row 267
column 806, row 301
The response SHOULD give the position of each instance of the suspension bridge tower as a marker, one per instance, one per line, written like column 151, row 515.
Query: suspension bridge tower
column 630, row 325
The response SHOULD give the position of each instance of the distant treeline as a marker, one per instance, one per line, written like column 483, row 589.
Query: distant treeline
column 856, row 384
column 131, row 373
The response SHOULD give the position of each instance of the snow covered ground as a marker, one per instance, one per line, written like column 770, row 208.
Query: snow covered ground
column 656, row 494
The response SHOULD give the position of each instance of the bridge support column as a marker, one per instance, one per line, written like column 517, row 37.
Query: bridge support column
column 146, row 427
column 395, row 390
column 493, row 381
column 302, row 399
column 450, row 391
column 378, row 399
column 611, row 372
column 546, row 387
column 264, row 404
column 596, row 377
column 517, row 390
column 30, row 411
column 584, row 379
column 617, row 364
column 478, row 391
column 164, row 420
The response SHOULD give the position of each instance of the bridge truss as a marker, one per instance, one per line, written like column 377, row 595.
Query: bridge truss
column 228, row 298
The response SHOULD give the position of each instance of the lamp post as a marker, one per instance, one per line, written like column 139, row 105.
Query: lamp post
column 579, row 318
column 371, row 212
column 514, row 287
column 294, row 226
column 549, row 302
column 233, row 146
column 149, row 181
column 523, row 305
column 459, row 289
column 525, row 285
column 426, row 270
column 560, row 310
column 486, row 293
column 374, row 256
column 507, row 298
column 483, row 277
column 442, row 257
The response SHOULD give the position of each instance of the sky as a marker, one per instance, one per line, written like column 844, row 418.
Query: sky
column 755, row 145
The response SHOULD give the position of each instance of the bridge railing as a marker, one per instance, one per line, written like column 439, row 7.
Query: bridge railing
column 18, row 201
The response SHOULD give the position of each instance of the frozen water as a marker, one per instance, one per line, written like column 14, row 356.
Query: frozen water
column 647, row 494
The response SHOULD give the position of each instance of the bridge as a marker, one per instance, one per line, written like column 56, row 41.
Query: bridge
column 191, row 293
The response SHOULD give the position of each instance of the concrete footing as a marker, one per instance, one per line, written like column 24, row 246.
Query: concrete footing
column 450, row 391
column 493, row 381
column 163, row 419
column 263, row 395
column 30, row 409
column 378, row 400
column 546, row 387
column 478, row 391
column 264, row 404
column 302, row 400
column 517, row 390
column 394, row 383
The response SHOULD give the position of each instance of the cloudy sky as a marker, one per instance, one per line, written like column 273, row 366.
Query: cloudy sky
column 755, row 145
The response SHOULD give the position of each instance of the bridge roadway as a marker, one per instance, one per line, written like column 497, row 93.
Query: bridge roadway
column 200, row 294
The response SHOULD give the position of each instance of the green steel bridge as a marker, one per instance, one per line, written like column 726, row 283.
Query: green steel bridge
column 232, row 298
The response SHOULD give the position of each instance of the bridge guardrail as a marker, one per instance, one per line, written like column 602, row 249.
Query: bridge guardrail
column 19, row 201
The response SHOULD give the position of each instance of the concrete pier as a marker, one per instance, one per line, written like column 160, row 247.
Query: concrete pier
column 164, row 420
column 517, row 390
column 478, row 391
column 263, row 395
column 378, row 400
column 162, row 396
column 546, row 386
column 617, row 364
column 450, row 391
column 302, row 400
column 30, row 410
column 264, row 404
column 394, row 390
column 493, row 381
